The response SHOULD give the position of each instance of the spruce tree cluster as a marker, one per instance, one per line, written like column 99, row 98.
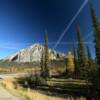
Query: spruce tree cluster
column 96, row 29
column 45, row 59
column 82, row 60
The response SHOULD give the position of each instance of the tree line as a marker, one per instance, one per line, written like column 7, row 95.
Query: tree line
column 82, row 63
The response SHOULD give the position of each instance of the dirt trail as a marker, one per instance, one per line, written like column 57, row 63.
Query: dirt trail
column 5, row 95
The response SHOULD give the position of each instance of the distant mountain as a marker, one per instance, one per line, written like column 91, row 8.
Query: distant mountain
column 33, row 53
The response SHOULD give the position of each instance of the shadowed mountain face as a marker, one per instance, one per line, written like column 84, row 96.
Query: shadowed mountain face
column 33, row 53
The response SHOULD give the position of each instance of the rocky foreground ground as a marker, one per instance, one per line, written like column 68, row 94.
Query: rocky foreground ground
column 5, row 95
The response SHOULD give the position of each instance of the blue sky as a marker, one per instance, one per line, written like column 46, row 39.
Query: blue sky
column 23, row 23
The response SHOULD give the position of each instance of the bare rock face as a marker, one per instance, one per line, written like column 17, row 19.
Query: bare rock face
column 33, row 53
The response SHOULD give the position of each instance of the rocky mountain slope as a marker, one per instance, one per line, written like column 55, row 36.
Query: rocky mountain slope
column 33, row 53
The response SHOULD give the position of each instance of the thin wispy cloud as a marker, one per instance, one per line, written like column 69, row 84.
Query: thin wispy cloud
column 9, row 48
column 67, row 43
column 13, row 46
column 70, row 23
column 18, row 46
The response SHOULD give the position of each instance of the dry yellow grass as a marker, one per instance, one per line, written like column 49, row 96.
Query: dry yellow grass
column 11, row 85
column 8, row 83
column 17, row 70
column 35, row 95
column 28, row 94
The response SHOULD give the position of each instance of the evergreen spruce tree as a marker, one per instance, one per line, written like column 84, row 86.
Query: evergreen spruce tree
column 96, row 29
column 81, row 53
column 90, row 60
column 75, row 60
column 46, row 55
column 76, row 63
column 42, row 61
column 90, row 67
